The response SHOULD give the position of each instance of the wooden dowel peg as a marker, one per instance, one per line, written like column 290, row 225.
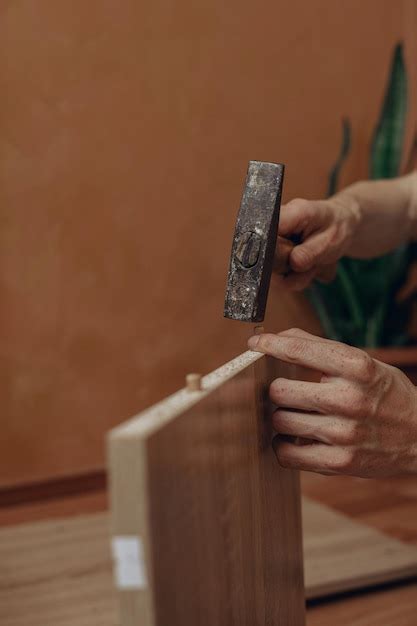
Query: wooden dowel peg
column 258, row 330
column 193, row 382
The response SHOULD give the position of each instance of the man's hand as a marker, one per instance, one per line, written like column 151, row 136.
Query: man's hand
column 364, row 220
column 326, row 229
column 361, row 418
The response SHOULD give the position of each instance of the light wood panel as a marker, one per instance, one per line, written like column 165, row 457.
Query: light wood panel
column 341, row 554
column 196, row 479
column 388, row 607
column 58, row 573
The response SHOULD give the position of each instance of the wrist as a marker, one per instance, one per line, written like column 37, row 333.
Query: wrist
column 385, row 212
column 350, row 198
column 348, row 209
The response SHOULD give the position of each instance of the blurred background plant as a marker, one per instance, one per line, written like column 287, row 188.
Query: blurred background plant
column 369, row 304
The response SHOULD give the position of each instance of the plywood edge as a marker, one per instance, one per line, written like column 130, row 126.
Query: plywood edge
column 129, row 519
column 150, row 420
column 358, row 582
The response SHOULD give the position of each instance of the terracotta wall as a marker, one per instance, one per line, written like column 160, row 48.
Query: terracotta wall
column 126, row 128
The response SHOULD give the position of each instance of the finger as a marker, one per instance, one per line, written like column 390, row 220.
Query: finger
column 332, row 430
column 330, row 357
column 298, row 332
column 311, row 252
column 298, row 282
column 300, row 216
column 305, row 396
column 315, row 457
column 327, row 358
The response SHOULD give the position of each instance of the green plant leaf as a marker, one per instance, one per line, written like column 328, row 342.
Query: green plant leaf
column 387, row 143
column 360, row 307
column 333, row 303
column 334, row 174
column 376, row 276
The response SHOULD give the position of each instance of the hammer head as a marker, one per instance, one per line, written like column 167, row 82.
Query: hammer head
column 254, row 242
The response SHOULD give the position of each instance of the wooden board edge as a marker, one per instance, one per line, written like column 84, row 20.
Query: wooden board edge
column 129, row 519
column 348, row 585
column 152, row 419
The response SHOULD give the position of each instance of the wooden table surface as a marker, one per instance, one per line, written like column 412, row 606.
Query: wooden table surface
column 389, row 505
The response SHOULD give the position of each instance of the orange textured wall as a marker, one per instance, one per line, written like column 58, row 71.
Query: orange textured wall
column 126, row 128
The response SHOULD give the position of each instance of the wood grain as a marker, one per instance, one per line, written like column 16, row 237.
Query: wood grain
column 341, row 554
column 59, row 573
column 385, row 607
column 196, row 478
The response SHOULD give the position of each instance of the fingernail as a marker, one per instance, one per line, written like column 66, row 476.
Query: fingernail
column 253, row 341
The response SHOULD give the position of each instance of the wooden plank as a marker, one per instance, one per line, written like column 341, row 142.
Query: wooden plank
column 59, row 573
column 390, row 607
column 196, row 480
column 342, row 555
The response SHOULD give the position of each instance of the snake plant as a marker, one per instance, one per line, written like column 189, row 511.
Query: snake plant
column 360, row 307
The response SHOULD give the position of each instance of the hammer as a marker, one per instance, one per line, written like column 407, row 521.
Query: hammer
column 253, row 255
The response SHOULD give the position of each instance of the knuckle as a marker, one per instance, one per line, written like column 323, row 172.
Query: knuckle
column 359, row 406
column 300, row 203
column 351, row 402
column 365, row 368
column 351, row 434
column 344, row 460
column 295, row 349
column 294, row 331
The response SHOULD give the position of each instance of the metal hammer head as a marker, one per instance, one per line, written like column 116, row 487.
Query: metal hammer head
column 254, row 242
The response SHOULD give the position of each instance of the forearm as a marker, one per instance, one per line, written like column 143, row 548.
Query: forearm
column 387, row 211
column 365, row 220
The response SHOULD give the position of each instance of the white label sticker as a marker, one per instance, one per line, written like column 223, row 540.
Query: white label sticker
column 129, row 562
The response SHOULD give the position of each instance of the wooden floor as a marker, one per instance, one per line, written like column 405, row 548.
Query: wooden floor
column 389, row 505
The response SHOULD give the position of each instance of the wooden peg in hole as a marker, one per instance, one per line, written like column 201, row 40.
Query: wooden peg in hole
column 258, row 330
column 193, row 382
